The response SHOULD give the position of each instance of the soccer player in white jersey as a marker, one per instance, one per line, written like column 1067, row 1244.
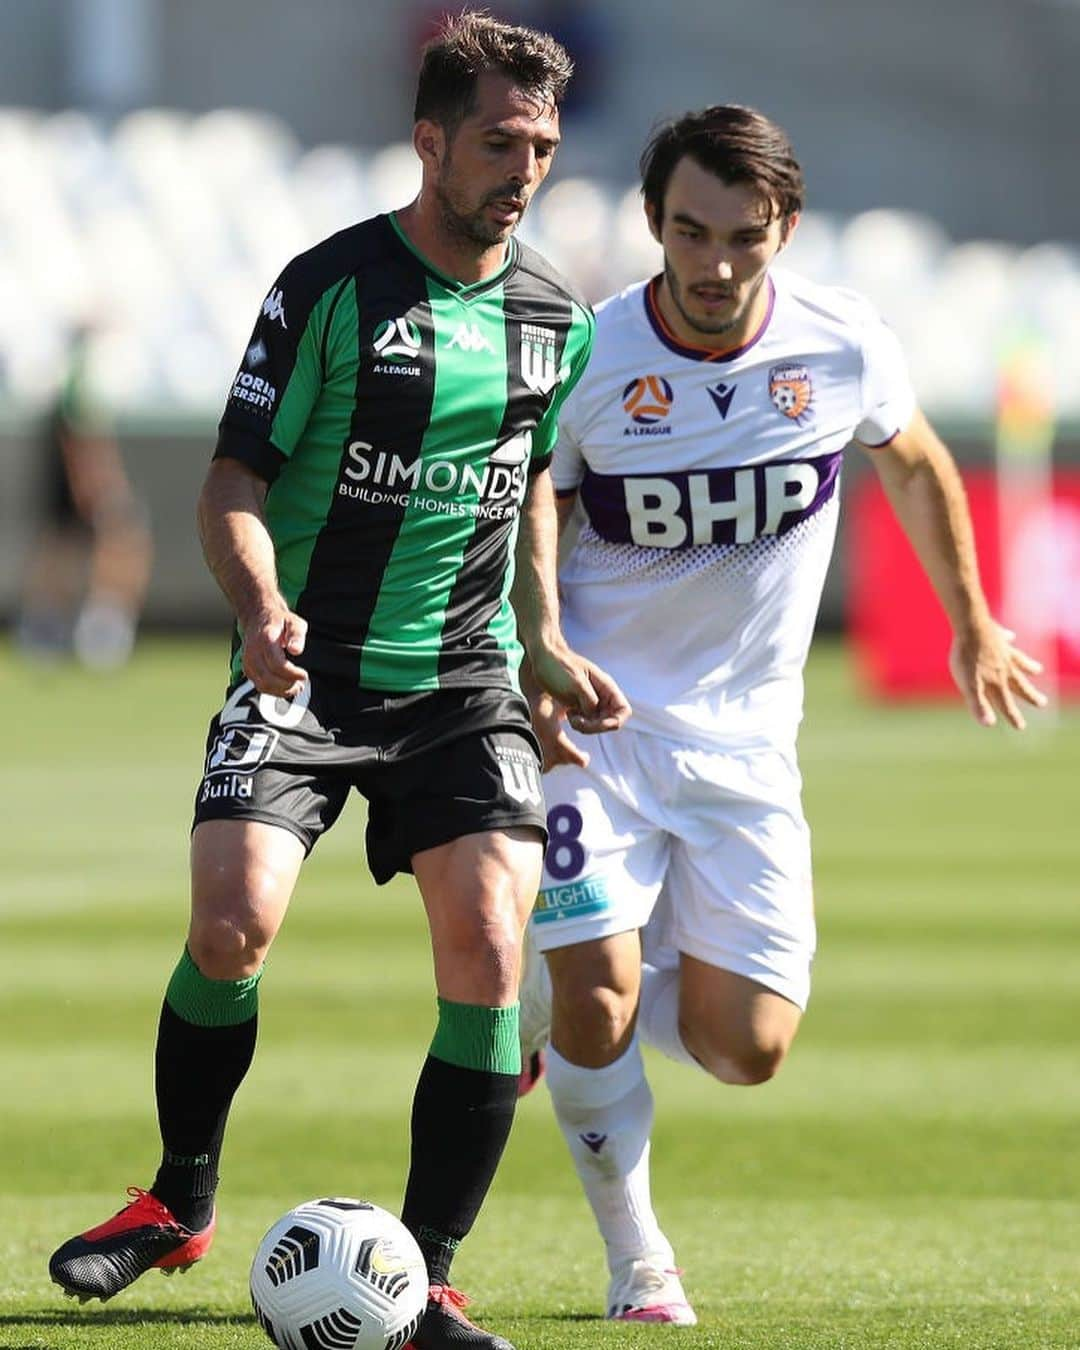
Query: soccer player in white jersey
column 704, row 445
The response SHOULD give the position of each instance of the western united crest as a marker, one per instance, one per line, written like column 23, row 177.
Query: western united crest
column 539, row 368
column 520, row 775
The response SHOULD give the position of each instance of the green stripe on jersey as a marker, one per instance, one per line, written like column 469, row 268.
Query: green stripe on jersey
column 296, row 513
column 311, row 492
column 466, row 414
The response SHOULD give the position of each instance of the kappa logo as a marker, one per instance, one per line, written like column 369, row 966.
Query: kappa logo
column 721, row 395
column 791, row 391
column 538, row 362
column 520, row 775
column 274, row 307
column 469, row 338
column 397, row 339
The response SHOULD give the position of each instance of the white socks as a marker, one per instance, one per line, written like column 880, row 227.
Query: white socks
column 606, row 1117
column 658, row 1013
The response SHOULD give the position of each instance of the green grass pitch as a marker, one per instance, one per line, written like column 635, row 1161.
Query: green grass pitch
column 909, row 1180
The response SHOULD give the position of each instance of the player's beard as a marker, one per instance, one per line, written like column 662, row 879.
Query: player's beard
column 468, row 224
column 709, row 327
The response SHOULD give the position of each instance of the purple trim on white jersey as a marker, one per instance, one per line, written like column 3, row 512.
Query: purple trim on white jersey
column 673, row 344
column 880, row 445
column 708, row 506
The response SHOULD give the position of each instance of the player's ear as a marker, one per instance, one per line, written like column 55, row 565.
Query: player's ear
column 653, row 217
column 429, row 142
column 787, row 229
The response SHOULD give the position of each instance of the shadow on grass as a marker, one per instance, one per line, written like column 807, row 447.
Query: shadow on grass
column 555, row 1317
column 120, row 1317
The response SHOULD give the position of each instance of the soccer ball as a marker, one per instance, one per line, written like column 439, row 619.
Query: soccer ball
column 339, row 1274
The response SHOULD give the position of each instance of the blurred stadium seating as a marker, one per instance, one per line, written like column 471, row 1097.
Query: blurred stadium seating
column 165, row 231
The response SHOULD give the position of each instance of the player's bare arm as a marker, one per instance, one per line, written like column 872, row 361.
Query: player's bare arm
column 579, row 691
column 923, row 485
column 548, row 715
column 240, row 554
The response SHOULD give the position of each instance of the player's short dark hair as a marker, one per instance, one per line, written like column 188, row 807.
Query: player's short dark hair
column 471, row 43
column 737, row 144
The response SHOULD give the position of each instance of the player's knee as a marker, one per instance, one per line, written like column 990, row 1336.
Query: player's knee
column 229, row 947
column 758, row 1063
column 486, row 945
column 595, row 1012
column 742, row 1063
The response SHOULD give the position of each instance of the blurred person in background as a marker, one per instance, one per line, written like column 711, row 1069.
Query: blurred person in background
column 89, row 565
column 704, row 446
column 384, row 449
column 585, row 31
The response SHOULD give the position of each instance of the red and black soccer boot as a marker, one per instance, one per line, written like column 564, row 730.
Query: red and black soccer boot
column 143, row 1236
column 445, row 1326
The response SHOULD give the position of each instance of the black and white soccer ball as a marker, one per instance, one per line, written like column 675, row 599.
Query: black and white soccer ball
column 339, row 1274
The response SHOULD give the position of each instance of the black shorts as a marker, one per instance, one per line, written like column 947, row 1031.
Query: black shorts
column 433, row 766
column 58, row 504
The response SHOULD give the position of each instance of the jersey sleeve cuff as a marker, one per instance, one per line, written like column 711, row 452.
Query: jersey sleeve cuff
column 256, row 452
column 538, row 464
column 879, row 445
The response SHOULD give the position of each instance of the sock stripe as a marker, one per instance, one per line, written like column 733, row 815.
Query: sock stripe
column 211, row 1003
column 473, row 1037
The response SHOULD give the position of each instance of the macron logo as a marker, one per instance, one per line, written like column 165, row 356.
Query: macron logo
column 593, row 1141
column 721, row 395
column 274, row 307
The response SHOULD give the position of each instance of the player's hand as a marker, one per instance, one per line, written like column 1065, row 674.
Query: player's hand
column 270, row 639
column 994, row 676
column 549, row 723
column 578, row 693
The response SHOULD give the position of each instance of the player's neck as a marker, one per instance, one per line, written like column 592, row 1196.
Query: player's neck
column 459, row 259
column 741, row 333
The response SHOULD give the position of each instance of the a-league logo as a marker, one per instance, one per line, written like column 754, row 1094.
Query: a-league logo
column 397, row 339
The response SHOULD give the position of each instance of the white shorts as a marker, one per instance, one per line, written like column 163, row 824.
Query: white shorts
column 709, row 849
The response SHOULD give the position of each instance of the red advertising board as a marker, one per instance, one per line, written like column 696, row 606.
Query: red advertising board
column 1029, row 558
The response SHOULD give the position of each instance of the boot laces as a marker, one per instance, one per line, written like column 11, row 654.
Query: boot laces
column 447, row 1296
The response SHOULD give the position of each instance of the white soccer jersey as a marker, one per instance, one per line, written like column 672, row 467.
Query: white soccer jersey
column 709, row 484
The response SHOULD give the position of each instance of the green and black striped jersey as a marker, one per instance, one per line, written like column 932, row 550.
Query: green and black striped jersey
column 396, row 414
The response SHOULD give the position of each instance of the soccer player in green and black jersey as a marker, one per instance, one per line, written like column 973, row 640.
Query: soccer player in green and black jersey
column 382, row 462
